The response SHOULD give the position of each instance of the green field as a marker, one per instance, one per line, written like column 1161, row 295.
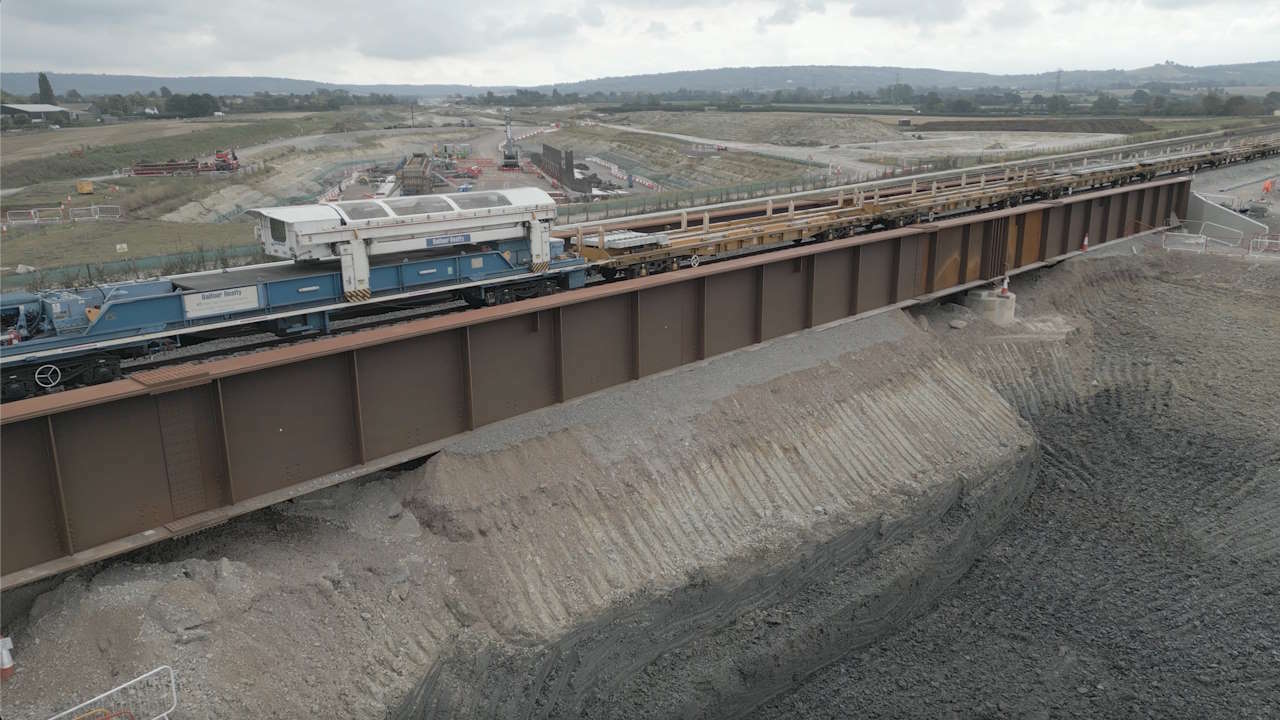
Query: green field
column 94, row 243
column 103, row 160
column 140, row 198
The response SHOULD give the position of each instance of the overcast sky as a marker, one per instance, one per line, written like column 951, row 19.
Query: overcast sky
column 496, row 43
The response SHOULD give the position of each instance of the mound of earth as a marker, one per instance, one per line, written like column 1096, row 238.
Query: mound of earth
column 1118, row 126
column 777, row 128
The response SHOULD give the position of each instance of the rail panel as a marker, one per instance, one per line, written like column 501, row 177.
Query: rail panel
column 93, row 472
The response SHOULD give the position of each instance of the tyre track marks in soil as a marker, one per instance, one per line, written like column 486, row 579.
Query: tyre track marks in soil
column 1158, row 630
column 1143, row 577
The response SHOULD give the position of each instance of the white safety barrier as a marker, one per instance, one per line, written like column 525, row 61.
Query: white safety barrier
column 7, row 667
column 1264, row 244
column 151, row 696
column 35, row 216
column 1185, row 242
column 48, row 215
column 21, row 217
column 1216, row 236
column 95, row 212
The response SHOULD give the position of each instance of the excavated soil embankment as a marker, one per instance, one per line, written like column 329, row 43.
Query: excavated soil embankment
column 573, row 548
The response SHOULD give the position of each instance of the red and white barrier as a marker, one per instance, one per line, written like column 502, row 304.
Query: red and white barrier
column 531, row 133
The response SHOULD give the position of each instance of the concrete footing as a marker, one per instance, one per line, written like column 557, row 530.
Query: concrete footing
column 991, row 305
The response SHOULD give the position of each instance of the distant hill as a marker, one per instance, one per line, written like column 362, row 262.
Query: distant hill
column 24, row 83
column 865, row 78
column 844, row 78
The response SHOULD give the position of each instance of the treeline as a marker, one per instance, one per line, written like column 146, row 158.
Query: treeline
column 1154, row 99
column 165, row 103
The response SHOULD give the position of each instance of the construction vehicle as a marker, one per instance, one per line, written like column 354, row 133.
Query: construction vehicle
column 416, row 176
column 510, row 151
column 226, row 161
column 223, row 161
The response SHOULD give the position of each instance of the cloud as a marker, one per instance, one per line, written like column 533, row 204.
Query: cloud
column 502, row 42
column 1013, row 14
column 542, row 26
column 658, row 29
column 591, row 15
column 788, row 12
column 314, row 38
column 919, row 12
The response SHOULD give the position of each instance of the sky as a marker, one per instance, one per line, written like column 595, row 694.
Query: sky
column 551, row 41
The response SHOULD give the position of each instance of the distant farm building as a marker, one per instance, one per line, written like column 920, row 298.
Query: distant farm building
column 37, row 111
column 86, row 109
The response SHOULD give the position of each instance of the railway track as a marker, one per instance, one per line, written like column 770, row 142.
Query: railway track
column 896, row 185
column 719, row 232
column 254, row 343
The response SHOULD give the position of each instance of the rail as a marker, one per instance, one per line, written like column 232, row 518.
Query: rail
column 1061, row 170
column 815, row 183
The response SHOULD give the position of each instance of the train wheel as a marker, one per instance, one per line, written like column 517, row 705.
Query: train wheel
column 48, row 376
column 473, row 297
column 101, row 374
column 14, row 389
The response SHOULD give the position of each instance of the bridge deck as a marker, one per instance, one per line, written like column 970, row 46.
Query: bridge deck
column 97, row 471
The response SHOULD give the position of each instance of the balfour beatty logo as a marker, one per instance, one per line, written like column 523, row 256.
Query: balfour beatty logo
column 221, row 302
column 448, row 240
column 217, row 294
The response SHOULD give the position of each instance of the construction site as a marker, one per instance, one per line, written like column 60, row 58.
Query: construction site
column 460, row 410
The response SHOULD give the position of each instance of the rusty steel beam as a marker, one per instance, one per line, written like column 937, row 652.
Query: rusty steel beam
column 93, row 472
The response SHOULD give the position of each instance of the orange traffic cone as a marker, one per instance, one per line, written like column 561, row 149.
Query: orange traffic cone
column 7, row 668
column 1004, row 288
column 1084, row 246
